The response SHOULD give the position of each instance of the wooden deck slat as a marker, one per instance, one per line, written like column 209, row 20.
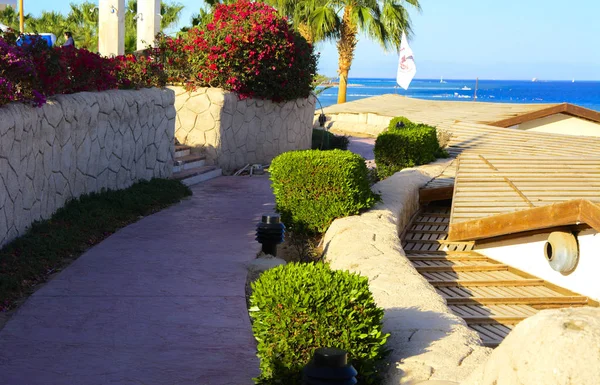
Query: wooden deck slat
column 468, row 283
column 472, row 268
column 490, row 296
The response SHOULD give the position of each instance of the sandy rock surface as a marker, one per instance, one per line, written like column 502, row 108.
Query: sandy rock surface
column 554, row 347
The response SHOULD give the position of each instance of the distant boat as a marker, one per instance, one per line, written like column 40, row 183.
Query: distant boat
column 534, row 80
column 442, row 80
column 573, row 80
column 465, row 88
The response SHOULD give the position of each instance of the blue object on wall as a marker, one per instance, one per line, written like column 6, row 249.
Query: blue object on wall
column 49, row 38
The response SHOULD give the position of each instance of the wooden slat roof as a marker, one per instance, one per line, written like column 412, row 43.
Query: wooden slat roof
column 435, row 112
column 488, row 185
column 542, row 169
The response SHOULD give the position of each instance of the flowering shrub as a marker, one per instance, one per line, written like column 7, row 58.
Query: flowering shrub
column 246, row 48
column 136, row 73
column 17, row 76
column 33, row 72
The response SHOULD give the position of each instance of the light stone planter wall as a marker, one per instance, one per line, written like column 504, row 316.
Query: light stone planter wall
column 234, row 132
column 78, row 144
column 428, row 341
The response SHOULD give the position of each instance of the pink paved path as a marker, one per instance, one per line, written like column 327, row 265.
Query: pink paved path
column 160, row 302
column 362, row 147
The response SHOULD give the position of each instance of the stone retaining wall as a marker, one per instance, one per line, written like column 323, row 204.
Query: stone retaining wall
column 78, row 144
column 234, row 132
column 428, row 341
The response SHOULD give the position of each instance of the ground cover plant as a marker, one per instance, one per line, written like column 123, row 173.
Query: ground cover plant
column 297, row 308
column 406, row 144
column 245, row 47
column 51, row 244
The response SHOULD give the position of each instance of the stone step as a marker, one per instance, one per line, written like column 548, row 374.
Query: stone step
column 189, row 162
column 182, row 150
column 197, row 175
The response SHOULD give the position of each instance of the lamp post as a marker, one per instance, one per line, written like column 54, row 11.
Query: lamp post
column 270, row 232
column 329, row 366
column 21, row 17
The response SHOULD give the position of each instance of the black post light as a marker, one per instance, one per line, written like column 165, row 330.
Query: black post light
column 400, row 125
column 329, row 366
column 270, row 232
column 322, row 120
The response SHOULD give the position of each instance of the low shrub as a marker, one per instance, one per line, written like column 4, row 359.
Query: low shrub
column 247, row 48
column 134, row 72
column 410, row 146
column 297, row 308
column 402, row 120
column 325, row 140
column 312, row 188
column 33, row 72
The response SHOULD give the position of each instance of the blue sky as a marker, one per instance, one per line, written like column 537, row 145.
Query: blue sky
column 464, row 39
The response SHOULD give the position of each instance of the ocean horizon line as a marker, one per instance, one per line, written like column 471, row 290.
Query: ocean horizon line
column 481, row 79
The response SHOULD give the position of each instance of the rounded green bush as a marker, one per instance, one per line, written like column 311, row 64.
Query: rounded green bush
column 400, row 119
column 312, row 188
column 413, row 145
column 297, row 308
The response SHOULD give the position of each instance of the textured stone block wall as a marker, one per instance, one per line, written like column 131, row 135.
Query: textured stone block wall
column 234, row 132
column 79, row 144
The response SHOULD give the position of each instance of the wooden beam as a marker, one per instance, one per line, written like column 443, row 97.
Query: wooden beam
column 491, row 282
column 492, row 319
column 427, row 195
column 583, row 113
column 557, row 109
column 456, row 268
column 563, row 108
column 573, row 300
column 568, row 213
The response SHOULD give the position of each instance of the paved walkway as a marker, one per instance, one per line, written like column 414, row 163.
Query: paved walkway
column 160, row 302
column 363, row 147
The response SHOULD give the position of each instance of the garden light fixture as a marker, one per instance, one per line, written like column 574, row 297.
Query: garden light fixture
column 329, row 366
column 270, row 232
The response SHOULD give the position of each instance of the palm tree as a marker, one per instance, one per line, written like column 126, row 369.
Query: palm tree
column 342, row 20
column 10, row 18
column 82, row 21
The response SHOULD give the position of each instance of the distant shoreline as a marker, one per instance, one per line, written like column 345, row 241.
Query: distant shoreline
column 538, row 80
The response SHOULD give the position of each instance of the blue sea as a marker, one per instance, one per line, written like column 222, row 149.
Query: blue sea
column 582, row 93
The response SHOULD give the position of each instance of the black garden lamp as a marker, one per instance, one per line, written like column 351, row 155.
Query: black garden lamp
column 400, row 125
column 322, row 120
column 270, row 232
column 329, row 366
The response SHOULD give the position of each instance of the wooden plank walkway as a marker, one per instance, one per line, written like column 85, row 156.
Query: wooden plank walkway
column 490, row 296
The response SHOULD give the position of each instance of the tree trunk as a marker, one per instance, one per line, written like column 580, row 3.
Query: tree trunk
column 346, row 46
column 304, row 30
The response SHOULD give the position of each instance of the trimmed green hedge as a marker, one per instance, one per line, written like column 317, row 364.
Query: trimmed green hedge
column 312, row 188
column 325, row 140
column 297, row 308
column 413, row 145
column 398, row 119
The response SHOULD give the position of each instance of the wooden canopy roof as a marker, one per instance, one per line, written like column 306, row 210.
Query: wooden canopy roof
column 510, row 180
column 499, row 194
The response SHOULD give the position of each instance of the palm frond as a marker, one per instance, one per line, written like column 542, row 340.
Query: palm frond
column 324, row 23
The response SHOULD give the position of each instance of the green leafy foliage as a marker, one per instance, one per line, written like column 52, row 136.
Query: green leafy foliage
column 325, row 140
column 409, row 146
column 312, row 188
column 400, row 119
column 297, row 308
column 80, row 224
